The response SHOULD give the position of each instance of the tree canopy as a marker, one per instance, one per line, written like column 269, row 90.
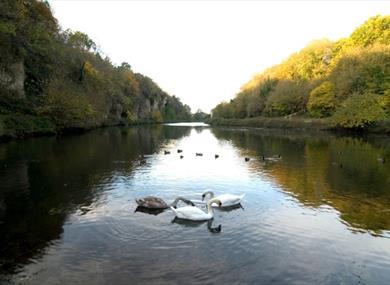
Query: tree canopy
column 323, row 79
column 66, row 78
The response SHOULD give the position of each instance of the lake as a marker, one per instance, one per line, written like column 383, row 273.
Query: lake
column 316, row 210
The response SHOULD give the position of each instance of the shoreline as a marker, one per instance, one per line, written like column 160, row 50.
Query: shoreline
column 28, row 126
column 299, row 123
column 22, row 126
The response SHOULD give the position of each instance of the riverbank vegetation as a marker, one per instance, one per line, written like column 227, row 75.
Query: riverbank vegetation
column 346, row 83
column 53, row 80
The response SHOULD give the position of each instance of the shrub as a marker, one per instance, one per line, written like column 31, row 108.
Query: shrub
column 156, row 116
column 359, row 111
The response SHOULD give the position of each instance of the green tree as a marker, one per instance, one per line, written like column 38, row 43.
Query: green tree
column 322, row 102
column 359, row 111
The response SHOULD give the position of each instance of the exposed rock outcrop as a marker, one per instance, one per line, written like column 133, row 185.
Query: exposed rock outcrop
column 12, row 79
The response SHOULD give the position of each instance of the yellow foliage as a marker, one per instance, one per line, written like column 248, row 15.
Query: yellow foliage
column 156, row 116
column 322, row 100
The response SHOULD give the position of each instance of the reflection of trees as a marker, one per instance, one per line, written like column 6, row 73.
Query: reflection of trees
column 318, row 169
column 44, row 180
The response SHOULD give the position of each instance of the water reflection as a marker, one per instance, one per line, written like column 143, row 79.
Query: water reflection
column 324, row 169
column 148, row 210
column 46, row 179
column 67, row 208
column 195, row 224
column 231, row 208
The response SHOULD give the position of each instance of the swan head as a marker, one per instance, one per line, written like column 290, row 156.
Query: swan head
column 207, row 192
column 215, row 201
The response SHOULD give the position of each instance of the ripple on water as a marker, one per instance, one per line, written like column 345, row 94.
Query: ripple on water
column 287, row 231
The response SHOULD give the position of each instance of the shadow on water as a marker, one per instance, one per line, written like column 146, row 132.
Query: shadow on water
column 231, row 208
column 149, row 211
column 320, row 169
column 44, row 180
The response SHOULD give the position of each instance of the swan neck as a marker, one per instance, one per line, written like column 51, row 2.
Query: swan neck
column 211, row 194
column 174, row 203
column 210, row 209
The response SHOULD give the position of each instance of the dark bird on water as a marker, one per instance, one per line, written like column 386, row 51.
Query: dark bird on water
column 215, row 230
column 142, row 159
column 181, row 156
column 158, row 203
column 247, row 159
column 179, row 150
column 216, row 156
column 198, row 154
column 167, row 152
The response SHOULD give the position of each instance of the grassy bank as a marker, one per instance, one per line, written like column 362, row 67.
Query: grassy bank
column 382, row 127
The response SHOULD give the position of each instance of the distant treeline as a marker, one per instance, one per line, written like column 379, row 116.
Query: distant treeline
column 347, row 82
column 52, row 79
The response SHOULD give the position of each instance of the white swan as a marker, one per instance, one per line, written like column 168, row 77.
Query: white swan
column 194, row 213
column 227, row 200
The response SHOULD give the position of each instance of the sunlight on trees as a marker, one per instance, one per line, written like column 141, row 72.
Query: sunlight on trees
column 323, row 79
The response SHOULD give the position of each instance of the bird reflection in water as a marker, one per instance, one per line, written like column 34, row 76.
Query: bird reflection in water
column 194, row 224
column 149, row 210
column 231, row 208
column 222, row 209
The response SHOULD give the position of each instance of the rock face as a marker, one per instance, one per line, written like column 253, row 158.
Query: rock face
column 12, row 80
column 146, row 106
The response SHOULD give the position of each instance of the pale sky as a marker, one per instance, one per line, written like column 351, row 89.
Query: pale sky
column 203, row 51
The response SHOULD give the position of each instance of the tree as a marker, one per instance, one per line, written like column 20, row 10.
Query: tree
column 359, row 111
column 322, row 102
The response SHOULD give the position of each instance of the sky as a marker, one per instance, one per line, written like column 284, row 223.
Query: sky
column 204, row 51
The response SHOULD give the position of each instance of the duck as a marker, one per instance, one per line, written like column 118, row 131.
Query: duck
column 142, row 159
column 198, row 154
column 152, row 202
column 227, row 200
column 382, row 160
column 167, row 152
column 181, row 156
column 179, row 150
column 194, row 213
column 247, row 159
column 216, row 156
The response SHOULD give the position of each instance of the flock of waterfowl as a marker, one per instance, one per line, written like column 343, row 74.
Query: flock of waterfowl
column 142, row 159
column 191, row 211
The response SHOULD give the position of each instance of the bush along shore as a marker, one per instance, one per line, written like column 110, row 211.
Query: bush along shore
column 54, row 81
column 343, row 84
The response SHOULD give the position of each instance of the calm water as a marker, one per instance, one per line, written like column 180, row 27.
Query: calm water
column 320, row 214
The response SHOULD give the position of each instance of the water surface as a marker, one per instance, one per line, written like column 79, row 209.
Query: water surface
column 316, row 210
